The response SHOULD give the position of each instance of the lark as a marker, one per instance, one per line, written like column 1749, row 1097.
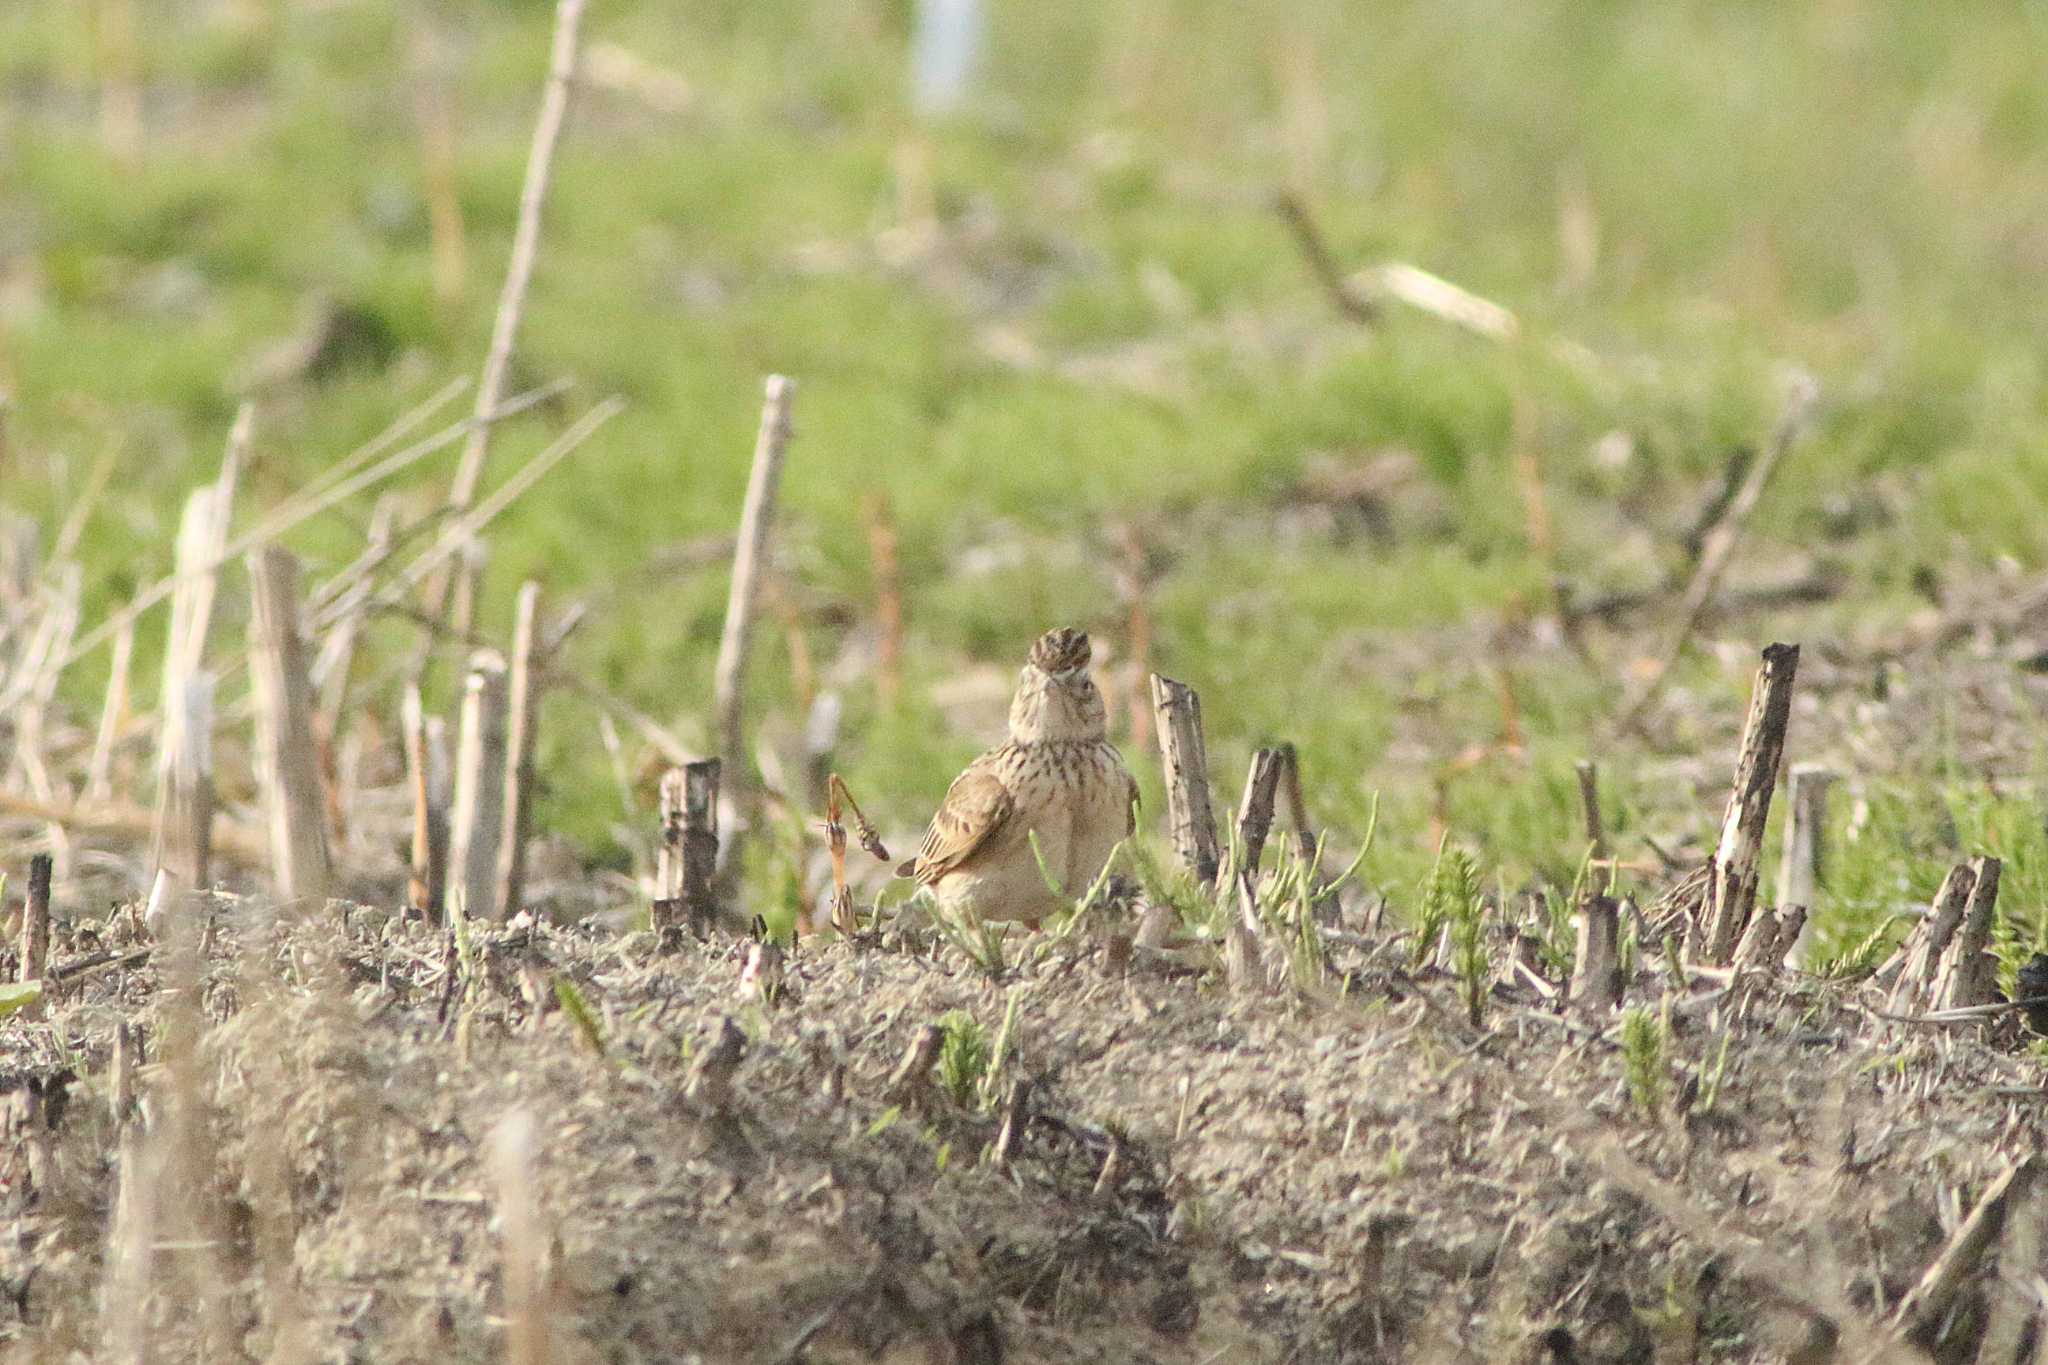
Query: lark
column 1056, row 778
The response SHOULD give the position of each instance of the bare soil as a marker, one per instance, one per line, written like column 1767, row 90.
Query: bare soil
column 1348, row 1173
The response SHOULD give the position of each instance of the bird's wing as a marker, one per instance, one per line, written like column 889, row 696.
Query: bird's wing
column 976, row 806
column 1131, row 806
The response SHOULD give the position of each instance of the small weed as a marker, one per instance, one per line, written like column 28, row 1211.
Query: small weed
column 1197, row 909
column 963, row 1057
column 588, row 1026
column 1097, row 893
column 1892, row 1064
column 1290, row 897
column 999, row 1053
column 1469, row 955
column 1450, row 895
column 1560, row 939
column 1052, row 883
column 1714, row 1075
column 979, row 941
column 1860, row 958
column 1642, row 1055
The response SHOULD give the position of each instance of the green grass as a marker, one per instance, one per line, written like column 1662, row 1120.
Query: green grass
column 1853, row 187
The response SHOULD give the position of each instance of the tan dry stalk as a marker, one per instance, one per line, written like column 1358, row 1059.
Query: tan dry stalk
column 757, row 516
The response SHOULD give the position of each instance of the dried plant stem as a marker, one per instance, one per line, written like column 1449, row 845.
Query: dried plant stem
column 1910, row 971
column 429, row 780
column 1733, row 895
column 910, row 1082
column 244, row 845
column 99, row 773
column 472, row 557
column 462, row 530
column 688, row 858
column 184, row 829
column 478, row 814
column 1717, row 547
column 82, row 507
column 1016, row 1118
column 1769, row 937
column 35, row 920
column 433, row 111
column 337, row 652
column 21, row 539
column 35, row 690
column 1296, row 801
column 757, row 515
column 1799, row 869
column 1596, row 974
column 711, row 1079
column 1185, row 759
column 1528, row 464
column 1135, row 587
column 287, row 758
column 1254, row 823
column 202, row 550
column 1244, row 963
column 1928, row 1300
column 1345, row 297
column 888, row 575
column 522, row 717
column 523, row 1242
column 131, row 1246
column 1967, row 973
column 1589, row 802
column 316, row 498
column 547, row 133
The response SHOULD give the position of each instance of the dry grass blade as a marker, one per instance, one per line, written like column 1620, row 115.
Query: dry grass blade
column 1349, row 300
column 533, row 193
column 99, row 773
column 1925, row 1303
column 464, row 528
column 547, row 133
column 117, row 820
column 85, row 504
column 1718, row 546
column 749, row 563
column 301, row 508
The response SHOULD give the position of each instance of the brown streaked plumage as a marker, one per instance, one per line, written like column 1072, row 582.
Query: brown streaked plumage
column 1056, row 777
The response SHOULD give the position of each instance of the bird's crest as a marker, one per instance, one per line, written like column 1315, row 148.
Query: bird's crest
column 1061, row 650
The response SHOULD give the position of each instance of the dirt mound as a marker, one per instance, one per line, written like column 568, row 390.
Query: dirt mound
column 1346, row 1173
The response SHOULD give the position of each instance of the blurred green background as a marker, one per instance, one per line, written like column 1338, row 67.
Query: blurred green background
column 1064, row 313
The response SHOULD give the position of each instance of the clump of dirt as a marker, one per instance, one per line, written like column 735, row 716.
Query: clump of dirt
column 1346, row 1172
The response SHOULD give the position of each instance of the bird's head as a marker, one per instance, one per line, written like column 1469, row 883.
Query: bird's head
column 1056, row 699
